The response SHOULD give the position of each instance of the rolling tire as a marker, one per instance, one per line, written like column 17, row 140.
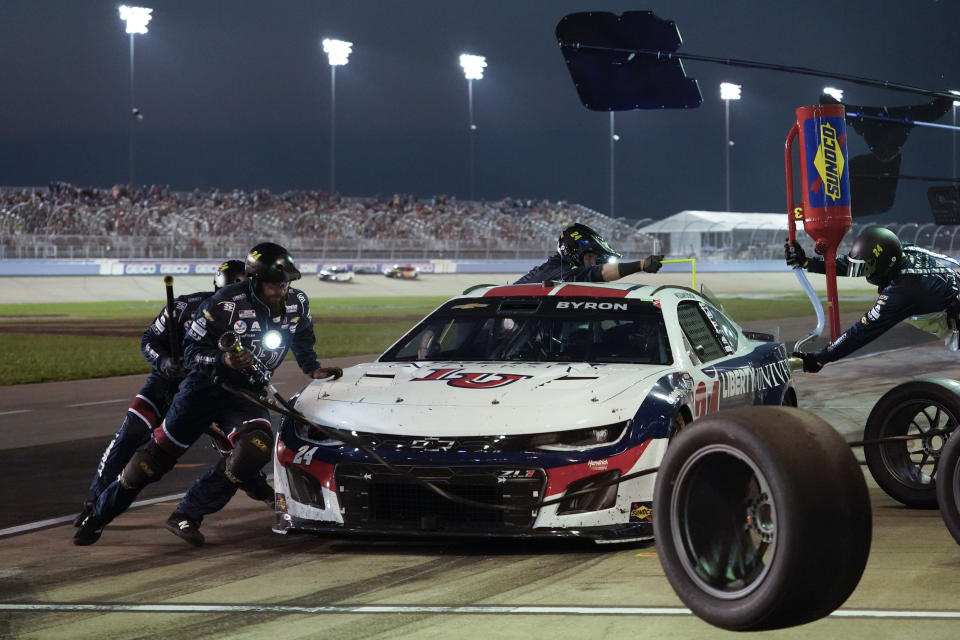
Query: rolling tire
column 948, row 486
column 906, row 469
column 761, row 518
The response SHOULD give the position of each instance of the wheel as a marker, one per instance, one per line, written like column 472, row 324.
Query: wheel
column 761, row 518
column 906, row 469
column 948, row 486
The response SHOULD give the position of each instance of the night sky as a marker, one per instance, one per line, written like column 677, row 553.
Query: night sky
column 236, row 94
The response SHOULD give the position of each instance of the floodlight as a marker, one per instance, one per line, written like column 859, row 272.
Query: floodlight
column 836, row 94
column 337, row 51
column 729, row 91
column 136, row 18
column 271, row 340
column 472, row 66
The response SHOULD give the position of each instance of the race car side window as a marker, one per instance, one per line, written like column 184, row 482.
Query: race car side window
column 726, row 326
column 699, row 331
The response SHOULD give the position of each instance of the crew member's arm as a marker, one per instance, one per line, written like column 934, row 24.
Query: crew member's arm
column 616, row 270
column 797, row 257
column 303, row 342
column 155, row 347
column 893, row 306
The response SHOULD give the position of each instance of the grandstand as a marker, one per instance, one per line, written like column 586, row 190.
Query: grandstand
column 64, row 221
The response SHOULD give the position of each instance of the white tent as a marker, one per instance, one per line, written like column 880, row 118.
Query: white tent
column 719, row 234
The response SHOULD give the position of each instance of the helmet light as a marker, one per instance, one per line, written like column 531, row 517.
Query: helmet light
column 271, row 340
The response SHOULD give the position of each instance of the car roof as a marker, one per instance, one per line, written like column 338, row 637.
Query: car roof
column 581, row 289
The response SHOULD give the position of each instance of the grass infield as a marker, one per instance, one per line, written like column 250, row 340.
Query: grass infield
column 44, row 342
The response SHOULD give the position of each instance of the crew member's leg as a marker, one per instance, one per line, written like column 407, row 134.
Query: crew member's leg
column 240, row 469
column 143, row 416
column 191, row 411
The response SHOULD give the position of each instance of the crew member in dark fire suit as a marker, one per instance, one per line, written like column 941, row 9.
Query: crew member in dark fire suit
column 268, row 318
column 584, row 256
column 152, row 401
column 911, row 281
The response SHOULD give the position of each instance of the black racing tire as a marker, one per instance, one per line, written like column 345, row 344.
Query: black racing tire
column 761, row 518
column 948, row 486
column 906, row 469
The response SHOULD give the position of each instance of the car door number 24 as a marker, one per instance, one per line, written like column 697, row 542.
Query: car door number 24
column 305, row 455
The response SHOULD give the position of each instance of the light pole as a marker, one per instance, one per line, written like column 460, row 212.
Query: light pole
column 728, row 92
column 836, row 94
column 956, row 103
column 136, row 19
column 614, row 138
column 473, row 67
column 338, row 51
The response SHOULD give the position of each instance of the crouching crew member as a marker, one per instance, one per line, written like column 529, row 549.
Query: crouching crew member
column 584, row 256
column 268, row 318
column 910, row 281
column 152, row 401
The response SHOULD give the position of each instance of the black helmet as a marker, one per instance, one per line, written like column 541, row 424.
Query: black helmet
column 270, row 262
column 874, row 254
column 229, row 272
column 578, row 239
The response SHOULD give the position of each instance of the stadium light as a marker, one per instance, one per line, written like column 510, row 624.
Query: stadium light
column 473, row 67
column 728, row 92
column 956, row 103
column 833, row 92
column 136, row 20
column 338, row 53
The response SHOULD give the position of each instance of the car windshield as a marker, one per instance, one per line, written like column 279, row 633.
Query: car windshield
column 540, row 329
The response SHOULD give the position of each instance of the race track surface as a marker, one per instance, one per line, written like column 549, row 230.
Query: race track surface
column 140, row 581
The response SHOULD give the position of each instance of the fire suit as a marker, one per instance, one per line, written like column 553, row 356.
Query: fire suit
column 558, row 270
column 201, row 400
column 152, row 401
column 922, row 282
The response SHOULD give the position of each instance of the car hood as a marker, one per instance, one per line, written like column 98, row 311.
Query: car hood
column 470, row 398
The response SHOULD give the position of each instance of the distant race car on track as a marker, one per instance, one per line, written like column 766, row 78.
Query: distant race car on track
column 402, row 271
column 508, row 395
column 335, row 274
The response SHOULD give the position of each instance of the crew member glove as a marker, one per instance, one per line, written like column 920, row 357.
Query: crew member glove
column 238, row 359
column 810, row 362
column 795, row 255
column 326, row 372
column 652, row 264
column 171, row 367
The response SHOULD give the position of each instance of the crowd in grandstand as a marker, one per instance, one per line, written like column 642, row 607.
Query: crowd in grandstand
column 64, row 209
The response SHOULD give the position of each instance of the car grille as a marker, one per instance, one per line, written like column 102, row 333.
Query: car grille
column 372, row 496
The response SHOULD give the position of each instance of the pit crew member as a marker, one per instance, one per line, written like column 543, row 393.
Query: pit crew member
column 268, row 318
column 584, row 256
column 150, row 405
column 910, row 281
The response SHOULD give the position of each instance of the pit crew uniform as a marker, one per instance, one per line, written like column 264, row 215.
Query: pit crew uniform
column 557, row 269
column 152, row 401
column 921, row 282
column 201, row 401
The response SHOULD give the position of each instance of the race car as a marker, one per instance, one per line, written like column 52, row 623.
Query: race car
column 335, row 274
column 507, row 396
column 402, row 271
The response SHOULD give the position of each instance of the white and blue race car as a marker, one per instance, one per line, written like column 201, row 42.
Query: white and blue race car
column 516, row 395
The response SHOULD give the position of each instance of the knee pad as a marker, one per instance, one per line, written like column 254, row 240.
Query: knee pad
column 251, row 450
column 146, row 466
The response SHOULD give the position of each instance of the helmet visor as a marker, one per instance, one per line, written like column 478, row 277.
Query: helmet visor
column 857, row 268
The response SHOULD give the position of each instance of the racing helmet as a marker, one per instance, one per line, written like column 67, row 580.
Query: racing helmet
column 874, row 254
column 270, row 262
column 578, row 239
column 229, row 272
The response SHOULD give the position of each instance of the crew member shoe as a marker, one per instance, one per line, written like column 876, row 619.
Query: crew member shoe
column 85, row 510
column 89, row 531
column 185, row 528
